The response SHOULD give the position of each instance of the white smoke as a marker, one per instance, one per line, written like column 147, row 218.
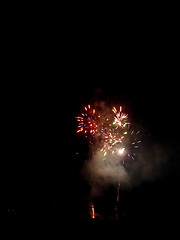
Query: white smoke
column 147, row 166
column 102, row 174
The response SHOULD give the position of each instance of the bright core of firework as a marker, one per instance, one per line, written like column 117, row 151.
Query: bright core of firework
column 121, row 151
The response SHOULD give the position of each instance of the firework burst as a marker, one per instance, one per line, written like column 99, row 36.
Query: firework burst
column 88, row 122
column 111, row 132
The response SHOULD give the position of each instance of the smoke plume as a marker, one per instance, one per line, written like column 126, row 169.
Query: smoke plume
column 147, row 166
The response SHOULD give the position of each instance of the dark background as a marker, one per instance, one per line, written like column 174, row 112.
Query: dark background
column 55, row 69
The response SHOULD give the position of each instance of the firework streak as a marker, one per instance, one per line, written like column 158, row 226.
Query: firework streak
column 111, row 132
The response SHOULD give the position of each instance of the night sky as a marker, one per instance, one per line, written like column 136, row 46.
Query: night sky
column 48, row 84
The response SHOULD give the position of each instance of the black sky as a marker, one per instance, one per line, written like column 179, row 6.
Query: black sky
column 51, row 75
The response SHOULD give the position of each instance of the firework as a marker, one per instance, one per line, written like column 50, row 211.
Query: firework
column 87, row 122
column 120, row 119
column 119, row 141
column 112, row 132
